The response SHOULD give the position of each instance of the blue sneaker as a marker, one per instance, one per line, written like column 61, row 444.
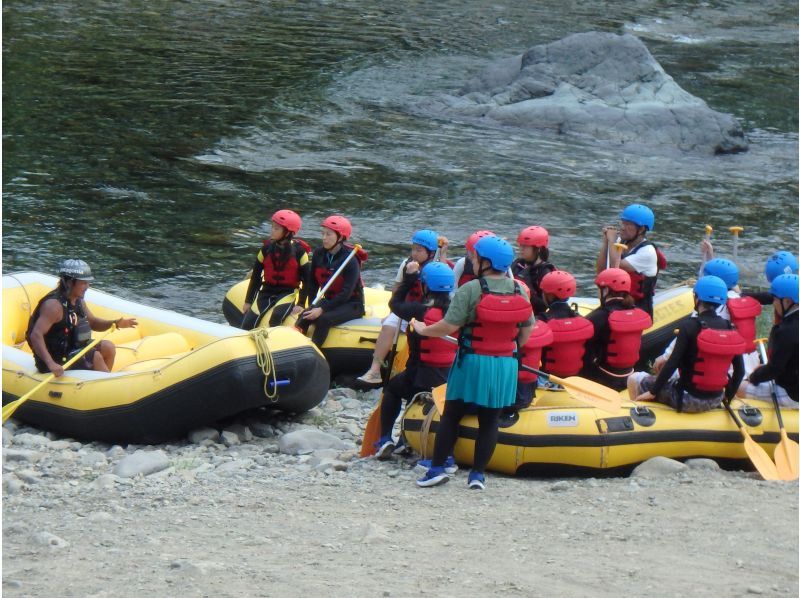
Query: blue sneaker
column 449, row 465
column 476, row 481
column 384, row 448
column 433, row 477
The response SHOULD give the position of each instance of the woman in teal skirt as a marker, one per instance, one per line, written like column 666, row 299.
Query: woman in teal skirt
column 495, row 317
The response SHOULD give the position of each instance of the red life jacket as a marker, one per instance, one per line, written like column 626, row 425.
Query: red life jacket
column 564, row 357
column 498, row 316
column 715, row 351
column 286, row 274
column 625, row 342
column 643, row 287
column 467, row 274
column 531, row 352
column 744, row 311
column 436, row 352
column 322, row 274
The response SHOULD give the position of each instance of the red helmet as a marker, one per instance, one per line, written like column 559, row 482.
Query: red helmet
column 559, row 283
column 615, row 279
column 338, row 224
column 288, row 219
column 477, row 236
column 533, row 236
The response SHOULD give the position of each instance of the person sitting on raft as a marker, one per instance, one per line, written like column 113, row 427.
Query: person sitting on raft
column 281, row 265
column 640, row 258
column 424, row 250
column 564, row 355
column 614, row 348
column 495, row 316
column 344, row 299
column 429, row 359
column 781, row 371
column 706, row 346
column 464, row 268
column 62, row 324
column 533, row 264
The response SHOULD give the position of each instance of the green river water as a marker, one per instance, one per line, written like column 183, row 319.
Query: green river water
column 154, row 139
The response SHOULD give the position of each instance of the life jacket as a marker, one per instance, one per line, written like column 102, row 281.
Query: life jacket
column 531, row 352
column 415, row 293
column 287, row 273
column 715, row 351
column 467, row 275
column 71, row 332
column 744, row 311
column 625, row 341
column 496, row 327
column 644, row 287
column 564, row 357
column 436, row 352
column 323, row 273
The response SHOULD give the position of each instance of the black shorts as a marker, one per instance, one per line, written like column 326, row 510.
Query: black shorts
column 86, row 362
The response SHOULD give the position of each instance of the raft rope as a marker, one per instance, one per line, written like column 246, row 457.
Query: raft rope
column 264, row 360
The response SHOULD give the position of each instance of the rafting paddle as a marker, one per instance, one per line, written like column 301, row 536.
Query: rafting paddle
column 758, row 456
column 8, row 410
column 372, row 431
column 786, row 452
column 735, row 230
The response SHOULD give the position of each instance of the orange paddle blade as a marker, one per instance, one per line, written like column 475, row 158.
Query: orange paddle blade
column 760, row 458
column 372, row 431
column 590, row 392
column 400, row 359
column 786, row 455
column 439, row 393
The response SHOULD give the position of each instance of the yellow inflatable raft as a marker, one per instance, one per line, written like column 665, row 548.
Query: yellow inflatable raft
column 562, row 436
column 172, row 373
column 349, row 346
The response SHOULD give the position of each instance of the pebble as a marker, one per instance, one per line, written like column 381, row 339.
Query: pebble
column 93, row 459
column 28, row 476
column 560, row 486
column 60, row 445
column 31, row 440
column 242, row 432
column 12, row 484
column 658, row 467
column 230, row 438
column 302, row 442
column 754, row 590
column 51, row 540
column 141, row 462
column 703, row 464
column 8, row 436
column 200, row 434
column 22, row 455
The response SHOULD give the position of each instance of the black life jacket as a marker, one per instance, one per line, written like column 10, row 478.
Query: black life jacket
column 323, row 273
column 71, row 332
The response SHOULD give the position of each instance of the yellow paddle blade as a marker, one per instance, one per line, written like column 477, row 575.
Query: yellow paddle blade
column 591, row 393
column 786, row 455
column 372, row 431
column 760, row 458
column 439, row 393
column 400, row 359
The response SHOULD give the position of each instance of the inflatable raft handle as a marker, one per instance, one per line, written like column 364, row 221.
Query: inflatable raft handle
column 285, row 382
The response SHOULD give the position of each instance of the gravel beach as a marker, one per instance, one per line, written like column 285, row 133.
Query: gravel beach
column 271, row 506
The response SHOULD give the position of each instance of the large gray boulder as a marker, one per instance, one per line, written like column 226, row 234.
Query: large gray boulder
column 603, row 86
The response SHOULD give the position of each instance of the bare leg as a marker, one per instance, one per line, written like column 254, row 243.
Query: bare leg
column 104, row 356
column 382, row 347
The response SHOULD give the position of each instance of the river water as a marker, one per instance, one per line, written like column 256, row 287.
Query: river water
column 155, row 138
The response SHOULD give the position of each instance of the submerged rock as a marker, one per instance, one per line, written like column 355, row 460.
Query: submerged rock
column 600, row 85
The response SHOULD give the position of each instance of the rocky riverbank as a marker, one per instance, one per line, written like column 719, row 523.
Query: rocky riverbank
column 266, row 506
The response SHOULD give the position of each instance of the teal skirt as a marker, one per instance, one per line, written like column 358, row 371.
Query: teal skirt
column 483, row 380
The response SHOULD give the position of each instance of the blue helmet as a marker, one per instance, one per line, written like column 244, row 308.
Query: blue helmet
column 427, row 238
column 640, row 215
column 780, row 262
column 499, row 253
column 438, row 277
column 711, row 289
column 785, row 286
column 724, row 269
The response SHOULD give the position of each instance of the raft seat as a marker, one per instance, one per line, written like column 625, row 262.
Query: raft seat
column 158, row 346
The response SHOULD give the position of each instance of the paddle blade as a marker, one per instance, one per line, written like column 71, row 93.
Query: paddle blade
column 8, row 410
column 400, row 359
column 372, row 431
column 786, row 455
column 760, row 458
column 591, row 393
column 439, row 393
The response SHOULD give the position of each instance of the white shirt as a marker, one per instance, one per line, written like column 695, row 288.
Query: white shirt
column 644, row 261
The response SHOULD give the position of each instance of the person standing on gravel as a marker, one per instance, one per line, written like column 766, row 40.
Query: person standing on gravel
column 62, row 325
column 495, row 318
